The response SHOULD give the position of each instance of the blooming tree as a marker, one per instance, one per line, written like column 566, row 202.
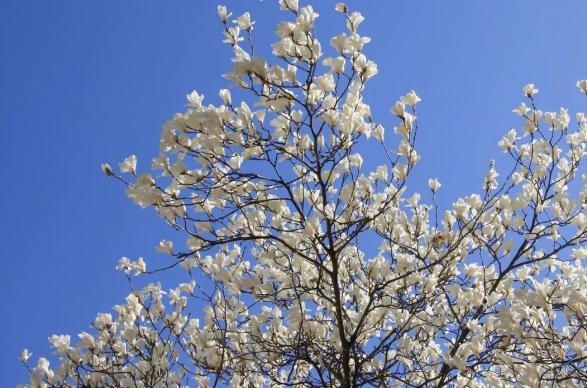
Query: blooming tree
column 278, row 212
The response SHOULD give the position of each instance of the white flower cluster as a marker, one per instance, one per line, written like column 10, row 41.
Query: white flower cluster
column 276, row 207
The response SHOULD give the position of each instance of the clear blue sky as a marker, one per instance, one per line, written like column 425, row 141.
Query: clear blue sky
column 85, row 82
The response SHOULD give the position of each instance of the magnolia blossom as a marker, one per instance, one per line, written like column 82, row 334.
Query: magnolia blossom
column 165, row 246
column 289, row 4
column 25, row 355
column 434, row 184
column 411, row 98
column 297, row 261
column 226, row 97
column 106, row 169
column 244, row 21
column 126, row 265
column 530, row 90
column 129, row 165
column 341, row 7
column 223, row 13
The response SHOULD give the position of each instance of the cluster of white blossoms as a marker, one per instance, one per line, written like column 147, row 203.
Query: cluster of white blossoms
column 277, row 211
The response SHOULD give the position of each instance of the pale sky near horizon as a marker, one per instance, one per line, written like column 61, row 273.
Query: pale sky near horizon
column 86, row 82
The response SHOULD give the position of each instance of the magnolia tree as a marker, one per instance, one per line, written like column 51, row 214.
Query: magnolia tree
column 312, row 271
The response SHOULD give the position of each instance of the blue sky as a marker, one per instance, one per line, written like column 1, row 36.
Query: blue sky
column 85, row 82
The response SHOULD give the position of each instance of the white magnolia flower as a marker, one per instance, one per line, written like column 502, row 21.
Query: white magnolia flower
column 582, row 85
column 341, row 7
column 86, row 340
column 139, row 266
column 354, row 20
column 336, row 64
column 530, row 90
column 399, row 109
column 411, row 98
column 126, row 265
column 195, row 99
column 289, row 4
column 235, row 161
column 25, row 355
column 129, row 165
column 434, row 184
column 244, row 21
column 306, row 18
column 43, row 367
column 233, row 35
column 223, row 13
column 225, row 95
column 60, row 343
column 341, row 43
column 522, row 109
column 165, row 246
column 106, row 169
